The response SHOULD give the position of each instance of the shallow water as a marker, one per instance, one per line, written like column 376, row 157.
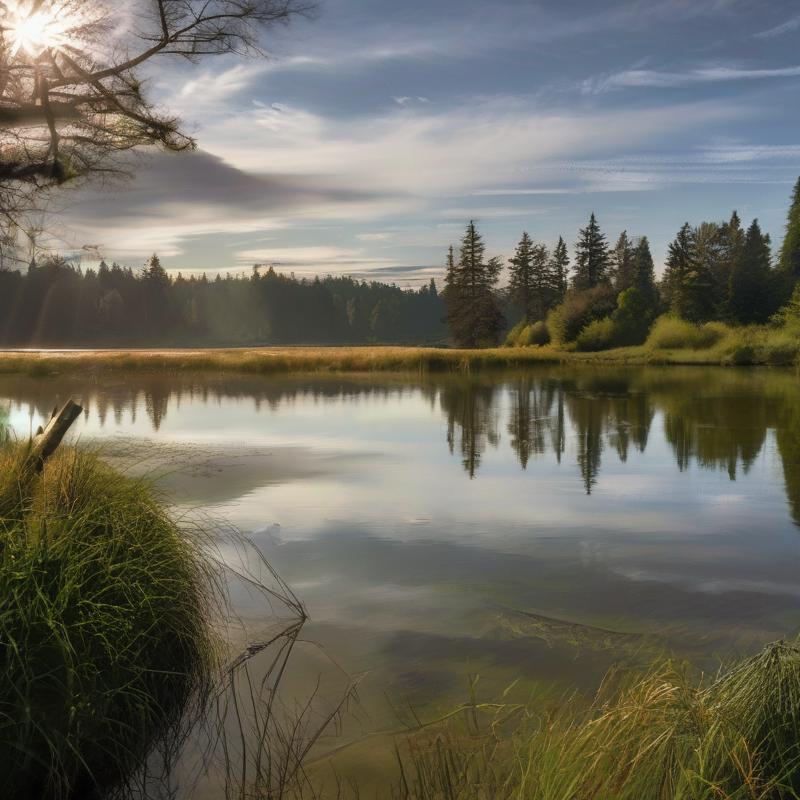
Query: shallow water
column 536, row 525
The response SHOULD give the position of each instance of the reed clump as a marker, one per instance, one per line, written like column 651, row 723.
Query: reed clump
column 668, row 734
column 106, row 649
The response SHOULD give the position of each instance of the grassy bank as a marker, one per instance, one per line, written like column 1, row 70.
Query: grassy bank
column 665, row 735
column 269, row 361
column 105, row 644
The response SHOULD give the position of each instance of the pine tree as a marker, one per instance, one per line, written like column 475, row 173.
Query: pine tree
column 591, row 257
column 559, row 270
column 750, row 297
column 790, row 252
column 531, row 284
column 520, row 285
column 644, row 273
column 473, row 313
column 687, row 281
column 622, row 259
column 731, row 244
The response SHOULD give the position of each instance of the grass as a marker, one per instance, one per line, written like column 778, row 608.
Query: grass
column 105, row 642
column 756, row 346
column 667, row 734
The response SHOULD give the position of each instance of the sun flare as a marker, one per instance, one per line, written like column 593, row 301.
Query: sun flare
column 33, row 27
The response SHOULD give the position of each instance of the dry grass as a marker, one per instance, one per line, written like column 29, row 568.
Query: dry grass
column 274, row 361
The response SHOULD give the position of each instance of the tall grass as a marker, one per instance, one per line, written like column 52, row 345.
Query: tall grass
column 664, row 735
column 105, row 644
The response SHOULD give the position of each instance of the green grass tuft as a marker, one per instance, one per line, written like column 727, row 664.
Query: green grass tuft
column 105, row 643
column 665, row 735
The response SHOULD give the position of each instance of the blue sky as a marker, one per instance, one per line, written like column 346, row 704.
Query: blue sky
column 377, row 129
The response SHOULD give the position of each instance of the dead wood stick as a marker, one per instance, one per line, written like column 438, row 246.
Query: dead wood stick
column 46, row 441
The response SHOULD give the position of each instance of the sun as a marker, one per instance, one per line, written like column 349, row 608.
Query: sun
column 33, row 27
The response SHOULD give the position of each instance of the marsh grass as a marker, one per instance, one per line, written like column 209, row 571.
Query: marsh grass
column 668, row 734
column 106, row 648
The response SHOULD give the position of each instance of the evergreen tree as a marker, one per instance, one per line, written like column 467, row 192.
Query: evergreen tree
column 623, row 263
column 687, row 282
column 750, row 297
column 732, row 236
column 559, row 270
column 531, row 284
column 473, row 312
column 644, row 274
column 521, row 285
column 790, row 252
column 591, row 257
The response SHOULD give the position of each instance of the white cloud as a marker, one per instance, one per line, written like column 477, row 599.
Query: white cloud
column 646, row 78
column 374, row 237
column 426, row 153
column 787, row 27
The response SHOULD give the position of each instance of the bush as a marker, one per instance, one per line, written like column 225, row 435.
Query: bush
column 567, row 320
column 673, row 333
column 633, row 318
column 598, row 335
column 105, row 642
column 528, row 335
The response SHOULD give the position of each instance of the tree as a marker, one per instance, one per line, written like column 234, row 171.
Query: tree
column 473, row 312
column 687, row 282
column 69, row 102
column 559, row 270
column 644, row 274
column 531, row 285
column 750, row 297
column 790, row 251
column 591, row 257
column 622, row 258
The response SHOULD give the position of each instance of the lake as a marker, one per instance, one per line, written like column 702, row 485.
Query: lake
column 535, row 526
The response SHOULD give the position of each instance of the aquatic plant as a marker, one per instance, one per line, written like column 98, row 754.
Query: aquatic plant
column 106, row 651
column 667, row 734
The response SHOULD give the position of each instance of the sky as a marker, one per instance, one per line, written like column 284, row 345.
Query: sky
column 376, row 130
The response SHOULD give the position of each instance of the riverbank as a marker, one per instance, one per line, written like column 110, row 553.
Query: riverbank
column 283, row 360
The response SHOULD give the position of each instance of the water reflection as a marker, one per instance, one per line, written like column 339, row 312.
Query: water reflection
column 714, row 419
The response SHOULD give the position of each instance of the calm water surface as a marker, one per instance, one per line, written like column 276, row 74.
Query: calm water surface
column 537, row 525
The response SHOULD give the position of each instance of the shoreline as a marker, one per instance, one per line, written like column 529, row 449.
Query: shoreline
column 337, row 359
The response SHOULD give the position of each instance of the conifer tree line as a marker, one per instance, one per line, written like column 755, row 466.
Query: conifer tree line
column 713, row 271
column 56, row 303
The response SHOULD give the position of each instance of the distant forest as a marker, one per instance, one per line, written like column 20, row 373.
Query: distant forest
column 607, row 296
column 56, row 303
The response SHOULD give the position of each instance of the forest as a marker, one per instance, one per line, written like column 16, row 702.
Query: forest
column 605, row 296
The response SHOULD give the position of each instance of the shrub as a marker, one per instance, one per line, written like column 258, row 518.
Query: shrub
column 528, row 335
column 633, row 317
column 598, row 335
column 577, row 310
column 535, row 334
column 105, row 642
column 673, row 333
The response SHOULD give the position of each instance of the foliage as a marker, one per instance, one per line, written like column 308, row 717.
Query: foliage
column 473, row 310
column 672, row 333
column 790, row 252
column 751, row 287
column 532, row 286
column 57, row 304
column 687, row 280
column 592, row 260
column 667, row 734
column 623, row 262
column 105, row 646
column 601, row 334
column 528, row 335
column 578, row 309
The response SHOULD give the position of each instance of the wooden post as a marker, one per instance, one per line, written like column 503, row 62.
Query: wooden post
column 46, row 441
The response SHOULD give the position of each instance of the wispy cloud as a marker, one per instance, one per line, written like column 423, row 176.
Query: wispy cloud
column 654, row 79
column 786, row 27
